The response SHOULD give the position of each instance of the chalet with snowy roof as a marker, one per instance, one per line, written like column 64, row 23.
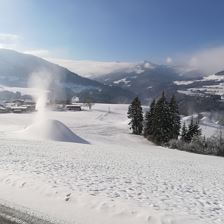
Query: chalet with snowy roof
column 73, row 107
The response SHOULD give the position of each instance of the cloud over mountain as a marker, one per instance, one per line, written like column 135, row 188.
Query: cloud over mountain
column 209, row 60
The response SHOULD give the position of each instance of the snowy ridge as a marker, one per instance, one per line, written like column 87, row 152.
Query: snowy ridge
column 215, row 87
column 121, row 80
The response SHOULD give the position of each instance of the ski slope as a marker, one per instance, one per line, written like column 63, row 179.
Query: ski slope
column 115, row 178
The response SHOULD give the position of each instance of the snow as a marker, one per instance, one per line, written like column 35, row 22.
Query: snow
column 214, row 89
column 117, row 178
column 208, row 126
column 214, row 77
column 50, row 130
column 183, row 82
column 121, row 81
column 190, row 92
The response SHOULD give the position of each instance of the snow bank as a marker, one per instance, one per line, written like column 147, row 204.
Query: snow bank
column 83, row 208
column 51, row 130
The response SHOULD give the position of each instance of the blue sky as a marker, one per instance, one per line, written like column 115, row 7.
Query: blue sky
column 112, row 30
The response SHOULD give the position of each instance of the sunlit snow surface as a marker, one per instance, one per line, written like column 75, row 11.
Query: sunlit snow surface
column 117, row 178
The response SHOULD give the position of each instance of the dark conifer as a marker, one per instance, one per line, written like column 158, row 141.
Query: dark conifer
column 184, row 132
column 193, row 130
column 149, row 118
column 162, row 123
column 175, row 117
column 136, row 115
column 196, row 129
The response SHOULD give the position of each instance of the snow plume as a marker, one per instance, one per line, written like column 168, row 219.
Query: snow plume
column 40, row 81
column 42, row 127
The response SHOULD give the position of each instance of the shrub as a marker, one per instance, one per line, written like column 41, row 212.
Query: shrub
column 207, row 146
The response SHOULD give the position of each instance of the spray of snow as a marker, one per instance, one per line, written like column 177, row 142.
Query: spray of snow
column 43, row 127
column 40, row 81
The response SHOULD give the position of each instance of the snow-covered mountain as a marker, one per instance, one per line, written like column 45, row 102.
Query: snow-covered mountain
column 16, row 69
column 208, row 85
column 147, row 79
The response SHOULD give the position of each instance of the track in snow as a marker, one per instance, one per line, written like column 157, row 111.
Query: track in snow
column 11, row 216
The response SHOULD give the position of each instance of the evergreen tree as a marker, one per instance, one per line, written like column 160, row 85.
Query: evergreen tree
column 193, row 130
column 162, row 122
column 184, row 132
column 196, row 129
column 149, row 117
column 136, row 115
column 175, row 117
column 190, row 132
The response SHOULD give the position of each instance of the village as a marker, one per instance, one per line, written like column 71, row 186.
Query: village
column 28, row 106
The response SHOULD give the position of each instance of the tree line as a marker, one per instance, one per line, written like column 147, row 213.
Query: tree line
column 161, row 124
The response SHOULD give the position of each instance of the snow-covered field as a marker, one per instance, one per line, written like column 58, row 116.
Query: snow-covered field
column 109, row 176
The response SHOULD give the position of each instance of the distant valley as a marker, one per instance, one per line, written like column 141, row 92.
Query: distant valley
column 195, row 91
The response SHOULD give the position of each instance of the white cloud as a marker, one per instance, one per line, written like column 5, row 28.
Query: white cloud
column 8, row 37
column 10, row 41
column 169, row 60
column 89, row 68
column 208, row 60
column 38, row 52
column 148, row 65
column 85, row 68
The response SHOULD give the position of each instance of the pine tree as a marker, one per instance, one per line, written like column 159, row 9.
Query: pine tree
column 162, row 121
column 196, row 129
column 175, row 117
column 136, row 115
column 190, row 132
column 184, row 132
column 149, row 117
column 193, row 130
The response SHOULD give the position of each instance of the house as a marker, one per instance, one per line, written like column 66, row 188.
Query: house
column 18, row 102
column 18, row 109
column 3, row 109
column 73, row 107
column 20, row 106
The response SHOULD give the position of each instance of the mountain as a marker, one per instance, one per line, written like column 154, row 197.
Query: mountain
column 195, row 91
column 17, row 68
column 148, row 80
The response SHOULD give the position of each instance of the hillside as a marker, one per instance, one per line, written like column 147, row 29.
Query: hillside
column 195, row 91
column 148, row 80
column 16, row 69
column 117, row 178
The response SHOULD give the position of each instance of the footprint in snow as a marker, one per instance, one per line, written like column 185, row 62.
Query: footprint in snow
column 67, row 198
